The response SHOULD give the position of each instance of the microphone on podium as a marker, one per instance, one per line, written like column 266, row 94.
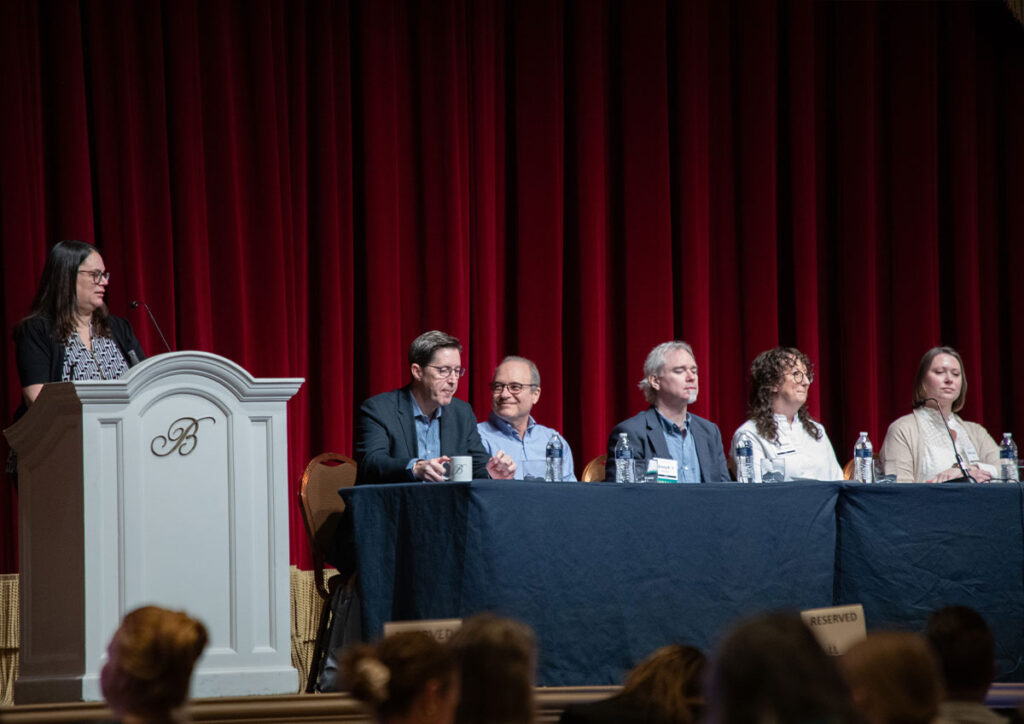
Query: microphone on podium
column 135, row 305
column 959, row 460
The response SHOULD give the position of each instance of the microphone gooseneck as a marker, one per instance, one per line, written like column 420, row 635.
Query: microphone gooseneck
column 135, row 305
column 952, row 440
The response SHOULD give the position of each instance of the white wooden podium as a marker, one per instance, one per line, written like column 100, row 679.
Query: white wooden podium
column 166, row 487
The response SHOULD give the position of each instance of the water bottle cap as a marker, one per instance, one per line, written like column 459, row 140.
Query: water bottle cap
column 864, row 434
column 1007, row 434
column 623, row 434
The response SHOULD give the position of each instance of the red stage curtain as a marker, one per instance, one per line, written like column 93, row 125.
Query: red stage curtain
column 303, row 187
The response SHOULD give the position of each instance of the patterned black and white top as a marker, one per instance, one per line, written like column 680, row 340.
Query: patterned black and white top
column 105, row 362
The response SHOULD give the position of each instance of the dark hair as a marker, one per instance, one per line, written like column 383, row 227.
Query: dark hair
column 965, row 648
column 498, row 657
column 667, row 685
column 766, row 371
column 772, row 668
column 423, row 348
column 926, row 364
column 391, row 674
column 56, row 296
column 894, row 676
column 150, row 661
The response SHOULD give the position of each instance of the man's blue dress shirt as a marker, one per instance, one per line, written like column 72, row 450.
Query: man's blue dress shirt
column 530, row 452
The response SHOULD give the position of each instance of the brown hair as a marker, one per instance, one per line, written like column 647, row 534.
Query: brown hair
column 767, row 371
column 498, row 657
column 668, row 684
column 424, row 347
column 151, row 657
column 390, row 675
column 894, row 677
column 926, row 364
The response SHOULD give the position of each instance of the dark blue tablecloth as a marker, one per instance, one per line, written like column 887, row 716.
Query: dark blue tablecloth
column 606, row 573
column 905, row 550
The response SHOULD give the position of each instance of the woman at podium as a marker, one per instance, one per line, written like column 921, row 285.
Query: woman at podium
column 68, row 334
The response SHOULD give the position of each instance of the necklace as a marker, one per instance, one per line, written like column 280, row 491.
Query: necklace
column 91, row 349
column 99, row 365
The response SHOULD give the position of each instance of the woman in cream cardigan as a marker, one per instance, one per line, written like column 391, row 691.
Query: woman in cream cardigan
column 917, row 446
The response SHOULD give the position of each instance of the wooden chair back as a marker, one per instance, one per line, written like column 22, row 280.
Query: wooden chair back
column 322, row 507
column 594, row 470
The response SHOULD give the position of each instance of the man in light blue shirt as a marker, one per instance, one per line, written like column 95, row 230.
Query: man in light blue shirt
column 515, row 389
column 679, row 439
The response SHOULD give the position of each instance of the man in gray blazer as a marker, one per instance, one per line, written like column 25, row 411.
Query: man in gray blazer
column 408, row 434
column 666, row 429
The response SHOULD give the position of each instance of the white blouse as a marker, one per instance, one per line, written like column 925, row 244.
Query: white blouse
column 805, row 457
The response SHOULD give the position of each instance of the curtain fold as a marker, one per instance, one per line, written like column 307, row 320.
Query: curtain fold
column 305, row 186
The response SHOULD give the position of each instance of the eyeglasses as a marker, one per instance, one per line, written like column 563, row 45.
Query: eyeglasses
column 514, row 387
column 446, row 371
column 799, row 376
column 98, row 277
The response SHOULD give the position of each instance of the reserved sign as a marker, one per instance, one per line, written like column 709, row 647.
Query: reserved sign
column 837, row 628
column 440, row 628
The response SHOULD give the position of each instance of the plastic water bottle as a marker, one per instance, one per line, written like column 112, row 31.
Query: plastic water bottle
column 745, row 459
column 862, row 453
column 553, row 473
column 623, row 460
column 1008, row 459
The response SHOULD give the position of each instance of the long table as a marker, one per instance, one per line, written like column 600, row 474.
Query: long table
column 605, row 573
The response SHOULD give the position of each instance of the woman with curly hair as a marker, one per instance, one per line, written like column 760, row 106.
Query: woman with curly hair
column 779, row 426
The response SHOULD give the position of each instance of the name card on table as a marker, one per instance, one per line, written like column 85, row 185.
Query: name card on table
column 666, row 470
column 440, row 628
column 837, row 628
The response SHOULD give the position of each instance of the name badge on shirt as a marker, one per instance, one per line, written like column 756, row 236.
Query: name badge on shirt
column 667, row 469
column 783, row 445
column 970, row 452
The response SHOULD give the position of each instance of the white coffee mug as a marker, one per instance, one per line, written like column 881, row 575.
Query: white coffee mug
column 460, row 469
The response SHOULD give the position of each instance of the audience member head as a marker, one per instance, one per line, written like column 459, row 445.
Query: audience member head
column 771, row 668
column 435, row 363
column 668, row 684
column 965, row 648
column 498, row 658
column 893, row 678
column 781, row 379
column 149, row 664
column 670, row 374
column 64, row 294
column 926, row 383
column 407, row 676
